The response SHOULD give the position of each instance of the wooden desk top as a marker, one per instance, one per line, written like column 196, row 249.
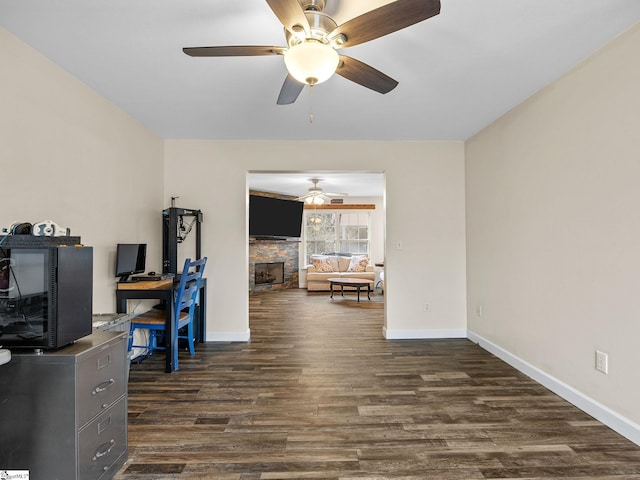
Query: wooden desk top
column 146, row 285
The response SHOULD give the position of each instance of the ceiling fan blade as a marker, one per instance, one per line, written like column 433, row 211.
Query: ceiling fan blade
column 329, row 194
column 327, row 197
column 290, row 90
column 365, row 75
column 313, row 195
column 290, row 14
column 386, row 19
column 234, row 51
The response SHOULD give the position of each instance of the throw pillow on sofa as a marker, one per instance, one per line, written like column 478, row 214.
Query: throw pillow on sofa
column 343, row 263
column 358, row 263
column 324, row 263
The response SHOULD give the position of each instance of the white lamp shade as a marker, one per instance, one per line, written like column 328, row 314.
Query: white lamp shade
column 314, row 200
column 311, row 62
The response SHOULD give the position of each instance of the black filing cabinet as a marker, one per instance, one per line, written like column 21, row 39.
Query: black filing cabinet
column 63, row 413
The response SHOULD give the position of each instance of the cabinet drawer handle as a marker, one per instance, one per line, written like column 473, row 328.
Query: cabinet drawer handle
column 101, row 387
column 104, row 449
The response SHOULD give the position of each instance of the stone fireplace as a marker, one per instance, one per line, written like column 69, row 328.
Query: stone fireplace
column 273, row 264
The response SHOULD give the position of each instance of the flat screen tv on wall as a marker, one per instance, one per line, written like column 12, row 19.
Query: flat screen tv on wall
column 274, row 217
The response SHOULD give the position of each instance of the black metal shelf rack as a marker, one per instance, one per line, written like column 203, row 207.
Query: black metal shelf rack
column 173, row 226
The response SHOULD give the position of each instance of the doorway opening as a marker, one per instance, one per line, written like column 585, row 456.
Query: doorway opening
column 361, row 190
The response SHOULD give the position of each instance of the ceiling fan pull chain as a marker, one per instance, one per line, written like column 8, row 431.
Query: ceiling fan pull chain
column 311, row 104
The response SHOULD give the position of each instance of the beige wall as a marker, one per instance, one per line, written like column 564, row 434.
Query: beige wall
column 83, row 163
column 424, row 210
column 553, row 228
column 68, row 155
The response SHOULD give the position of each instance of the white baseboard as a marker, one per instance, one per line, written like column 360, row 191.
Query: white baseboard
column 422, row 334
column 229, row 336
column 624, row 426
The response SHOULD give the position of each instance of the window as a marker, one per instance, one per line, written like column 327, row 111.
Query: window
column 354, row 232
column 336, row 231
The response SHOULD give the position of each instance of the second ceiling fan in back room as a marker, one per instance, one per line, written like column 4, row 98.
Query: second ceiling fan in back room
column 313, row 38
column 316, row 196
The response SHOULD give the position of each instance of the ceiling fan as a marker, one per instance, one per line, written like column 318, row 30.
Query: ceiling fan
column 317, row 196
column 312, row 38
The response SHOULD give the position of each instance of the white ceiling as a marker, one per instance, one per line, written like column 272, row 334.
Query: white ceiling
column 458, row 71
column 354, row 184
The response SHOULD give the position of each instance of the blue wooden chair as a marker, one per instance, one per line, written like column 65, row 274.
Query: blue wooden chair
column 185, row 301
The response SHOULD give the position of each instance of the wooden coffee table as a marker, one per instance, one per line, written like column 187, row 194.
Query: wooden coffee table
column 357, row 283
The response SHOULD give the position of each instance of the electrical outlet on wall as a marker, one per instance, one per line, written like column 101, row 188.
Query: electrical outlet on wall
column 426, row 307
column 602, row 362
column 479, row 310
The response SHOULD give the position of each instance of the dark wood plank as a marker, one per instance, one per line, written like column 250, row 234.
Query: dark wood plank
column 318, row 393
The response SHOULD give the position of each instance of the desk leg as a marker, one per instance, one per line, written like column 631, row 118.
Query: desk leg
column 121, row 304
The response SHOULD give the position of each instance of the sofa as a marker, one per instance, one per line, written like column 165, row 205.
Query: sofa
column 337, row 265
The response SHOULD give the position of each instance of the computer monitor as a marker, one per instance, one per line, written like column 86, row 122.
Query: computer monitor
column 130, row 259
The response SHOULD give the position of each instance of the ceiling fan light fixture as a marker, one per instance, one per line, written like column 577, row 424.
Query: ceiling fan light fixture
column 314, row 200
column 311, row 62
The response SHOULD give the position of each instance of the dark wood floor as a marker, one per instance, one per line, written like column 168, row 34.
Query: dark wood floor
column 319, row 394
